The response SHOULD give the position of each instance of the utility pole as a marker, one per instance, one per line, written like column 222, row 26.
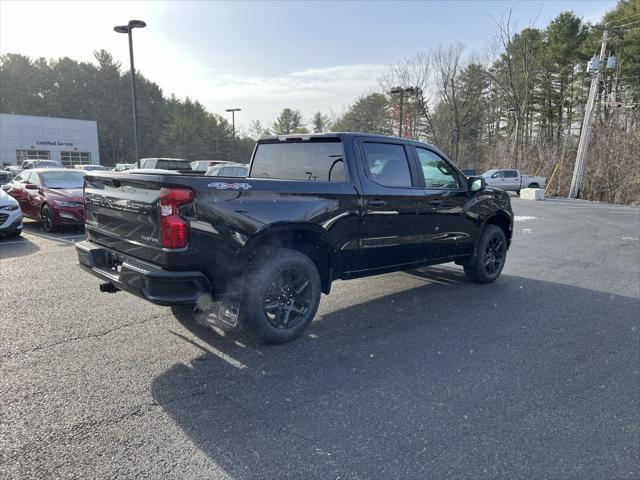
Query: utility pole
column 585, row 134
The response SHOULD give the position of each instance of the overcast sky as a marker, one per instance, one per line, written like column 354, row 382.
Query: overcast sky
column 264, row 56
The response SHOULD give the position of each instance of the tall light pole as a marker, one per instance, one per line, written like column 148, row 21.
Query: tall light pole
column 402, row 91
column 233, row 119
column 128, row 29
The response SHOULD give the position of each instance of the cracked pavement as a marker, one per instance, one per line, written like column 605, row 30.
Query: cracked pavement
column 407, row 375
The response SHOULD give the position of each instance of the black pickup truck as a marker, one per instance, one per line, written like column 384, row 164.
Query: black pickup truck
column 257, row 252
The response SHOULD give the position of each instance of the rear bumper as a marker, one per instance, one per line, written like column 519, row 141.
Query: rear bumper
column 145, row 280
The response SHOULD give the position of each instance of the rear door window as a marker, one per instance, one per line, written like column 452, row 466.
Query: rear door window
column 510, row 174
column 312, row 161
column 387, row 164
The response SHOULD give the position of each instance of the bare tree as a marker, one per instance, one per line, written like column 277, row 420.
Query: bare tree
column 514, row 73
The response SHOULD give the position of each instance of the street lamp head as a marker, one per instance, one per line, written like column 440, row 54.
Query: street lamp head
column 410, row 90
column 395, row 90
column 233, row 110
column 132, row 24
column 137, row 24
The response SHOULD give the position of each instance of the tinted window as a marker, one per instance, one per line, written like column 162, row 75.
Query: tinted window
column 437, row 173
column 498, row 175
column 510, row 174
column 387, row 164
column 311, row 161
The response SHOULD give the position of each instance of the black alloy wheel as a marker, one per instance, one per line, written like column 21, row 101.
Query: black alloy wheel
column 288, row 298
column 47, row 219
column 493, row 256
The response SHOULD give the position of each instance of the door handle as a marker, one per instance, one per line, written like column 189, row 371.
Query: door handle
column 376, row 203
column 435, row 203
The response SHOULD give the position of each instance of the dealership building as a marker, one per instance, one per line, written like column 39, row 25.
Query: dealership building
column 66, row 140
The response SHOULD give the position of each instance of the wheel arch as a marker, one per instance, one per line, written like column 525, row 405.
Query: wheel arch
column 503, row 221
column 310, row 240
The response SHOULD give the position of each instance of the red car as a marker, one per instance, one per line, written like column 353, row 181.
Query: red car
column 51, row 195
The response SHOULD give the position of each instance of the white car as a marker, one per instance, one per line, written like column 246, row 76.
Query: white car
column 10, row 216
column 228, row 170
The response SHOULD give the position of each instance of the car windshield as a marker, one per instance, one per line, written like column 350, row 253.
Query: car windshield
column 62, row 179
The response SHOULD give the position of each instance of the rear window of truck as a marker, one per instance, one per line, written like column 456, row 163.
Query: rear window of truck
column 308, row 161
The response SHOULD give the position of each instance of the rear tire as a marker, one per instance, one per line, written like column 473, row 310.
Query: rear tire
column 490, row 258
column 533, row 185
column 281, row 296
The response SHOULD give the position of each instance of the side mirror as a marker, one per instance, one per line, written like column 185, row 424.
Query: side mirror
column 5, row 187
column 31, row 186
column 476, row 184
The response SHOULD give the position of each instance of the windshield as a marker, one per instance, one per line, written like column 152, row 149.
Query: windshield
column 62, row 179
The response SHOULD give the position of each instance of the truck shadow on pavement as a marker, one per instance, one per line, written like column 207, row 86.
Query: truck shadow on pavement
column 13, row 247
column 522, row 378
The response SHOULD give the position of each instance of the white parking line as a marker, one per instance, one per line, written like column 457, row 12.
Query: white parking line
column 55, row 239
column 14, row 242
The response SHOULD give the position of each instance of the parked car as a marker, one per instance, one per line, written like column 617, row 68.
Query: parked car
column 52, row 196
column 29, row 164
column 13, row 170
column 121, row 167
column 5, row 176
column 311, row 211
column 204, row 165
column 176, row 164
column 10, row 216
column 91, row 168
column 228, row 170
column 512, row 180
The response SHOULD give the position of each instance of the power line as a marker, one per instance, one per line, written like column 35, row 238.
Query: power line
column 627, row 17
column 626, row 24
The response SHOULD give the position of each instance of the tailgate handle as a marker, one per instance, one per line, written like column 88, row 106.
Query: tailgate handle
column 376, row 203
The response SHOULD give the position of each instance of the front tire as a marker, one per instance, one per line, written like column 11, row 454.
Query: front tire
column 46, row 216
column 281, row 296
column 490, row 258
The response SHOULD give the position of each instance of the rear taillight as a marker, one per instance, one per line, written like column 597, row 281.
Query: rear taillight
column 173, row 229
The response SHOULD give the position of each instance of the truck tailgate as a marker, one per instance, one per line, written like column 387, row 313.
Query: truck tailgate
column 122, row 213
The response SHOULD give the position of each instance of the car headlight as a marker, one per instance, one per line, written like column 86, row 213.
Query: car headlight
column 10, row 208
column 68, row 204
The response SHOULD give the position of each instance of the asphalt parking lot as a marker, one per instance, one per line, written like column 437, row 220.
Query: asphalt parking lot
column 409, row 375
